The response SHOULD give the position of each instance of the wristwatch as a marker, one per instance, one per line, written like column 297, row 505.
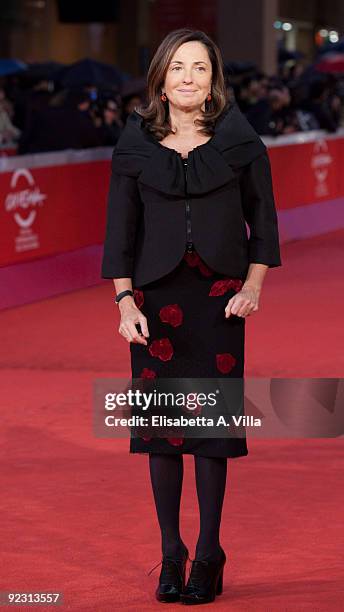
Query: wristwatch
column 122, row 294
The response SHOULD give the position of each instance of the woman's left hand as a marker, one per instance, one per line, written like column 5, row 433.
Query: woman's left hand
column 244, row 302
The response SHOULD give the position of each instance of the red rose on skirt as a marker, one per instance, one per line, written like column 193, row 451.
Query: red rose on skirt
column 147, row 373
column 194, row 260
column 175, row 441
column 172, row 314
column 138, row 297
column 236, row 284
column 161, row 348
column 225, row 362
column 220, row 287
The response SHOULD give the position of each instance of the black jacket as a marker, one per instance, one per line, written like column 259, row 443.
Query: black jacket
column 228, row 182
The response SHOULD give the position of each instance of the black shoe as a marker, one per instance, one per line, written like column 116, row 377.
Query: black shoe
column 205, row 581
column 172, row 578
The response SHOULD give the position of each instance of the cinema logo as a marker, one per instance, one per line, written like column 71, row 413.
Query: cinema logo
column 320, row 162
column 24, row 204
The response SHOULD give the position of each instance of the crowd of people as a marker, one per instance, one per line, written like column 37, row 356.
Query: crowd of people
column 40, row 120
column 42, row 117
column 292, row 103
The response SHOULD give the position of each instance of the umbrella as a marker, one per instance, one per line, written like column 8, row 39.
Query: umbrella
column 333, row 62
column 11, row 66
column 91, row 72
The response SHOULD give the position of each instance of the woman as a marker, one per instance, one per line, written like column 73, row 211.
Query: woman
column 187, row 172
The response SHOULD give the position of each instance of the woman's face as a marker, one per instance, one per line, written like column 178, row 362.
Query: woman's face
column 188, row 77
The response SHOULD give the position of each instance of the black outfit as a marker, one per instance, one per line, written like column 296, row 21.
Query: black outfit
column 177, row 228
column 228, row 183
column 165, row 230
column 189, row 338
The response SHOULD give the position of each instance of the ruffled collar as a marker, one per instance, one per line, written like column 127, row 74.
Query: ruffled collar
column 211, row 165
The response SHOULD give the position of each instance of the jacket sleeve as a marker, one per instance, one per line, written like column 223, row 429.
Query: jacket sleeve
column 123, row 210
column 260, row 212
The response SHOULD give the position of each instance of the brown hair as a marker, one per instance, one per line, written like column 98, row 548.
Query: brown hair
column 155, row 113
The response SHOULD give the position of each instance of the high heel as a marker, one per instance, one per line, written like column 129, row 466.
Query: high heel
column 205, row 581
column 219, row 586
column 172, row 578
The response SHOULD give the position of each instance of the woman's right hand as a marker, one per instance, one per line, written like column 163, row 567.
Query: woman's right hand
column 131, row 316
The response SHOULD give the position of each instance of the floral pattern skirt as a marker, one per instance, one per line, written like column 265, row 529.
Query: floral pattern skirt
column 190, row 337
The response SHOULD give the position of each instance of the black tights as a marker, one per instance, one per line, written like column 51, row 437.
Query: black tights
column 166, row 473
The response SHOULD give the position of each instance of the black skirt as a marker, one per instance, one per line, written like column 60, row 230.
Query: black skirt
column 190, row 337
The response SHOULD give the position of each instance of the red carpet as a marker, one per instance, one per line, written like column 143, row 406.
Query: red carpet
column 78, row 512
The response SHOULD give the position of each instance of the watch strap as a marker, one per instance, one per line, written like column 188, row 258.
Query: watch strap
column 122, row 294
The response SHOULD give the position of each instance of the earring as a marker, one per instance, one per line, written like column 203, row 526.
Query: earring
column 208, row 97
column 163, row 97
